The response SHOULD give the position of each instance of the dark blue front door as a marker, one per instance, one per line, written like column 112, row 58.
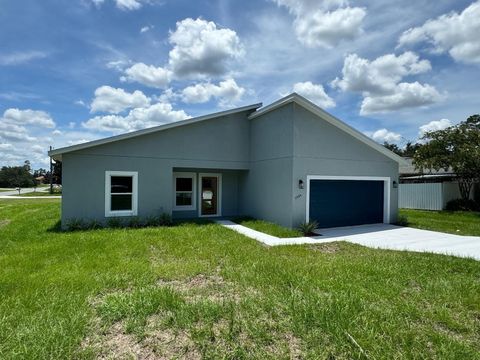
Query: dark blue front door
column 346, row 202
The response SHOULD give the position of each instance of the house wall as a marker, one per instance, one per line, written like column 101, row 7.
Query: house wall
column 266, row 187
column 323, row 149
column 220, row 143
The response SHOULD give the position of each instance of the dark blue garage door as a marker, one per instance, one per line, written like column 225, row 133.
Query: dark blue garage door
column 346, row 202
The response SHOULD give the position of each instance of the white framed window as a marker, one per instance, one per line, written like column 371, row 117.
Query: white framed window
column 184, row 191
column 121, row 193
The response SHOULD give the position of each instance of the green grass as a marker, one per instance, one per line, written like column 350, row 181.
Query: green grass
column 268, row 227
column 203, row 289
column 455, row 222
column 41, row 193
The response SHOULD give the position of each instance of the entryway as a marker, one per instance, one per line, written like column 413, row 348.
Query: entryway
column 210, row 194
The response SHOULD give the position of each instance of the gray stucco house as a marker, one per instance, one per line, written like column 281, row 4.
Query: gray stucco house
column 288, row 162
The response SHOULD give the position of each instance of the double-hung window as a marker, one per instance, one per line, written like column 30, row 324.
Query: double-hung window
column 184, row 191
column 121, row 193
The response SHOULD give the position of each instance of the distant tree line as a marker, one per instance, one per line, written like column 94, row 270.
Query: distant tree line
column 408, row 151
column 23, row 176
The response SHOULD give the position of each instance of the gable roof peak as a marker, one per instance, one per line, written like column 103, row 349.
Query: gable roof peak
column 326, row 116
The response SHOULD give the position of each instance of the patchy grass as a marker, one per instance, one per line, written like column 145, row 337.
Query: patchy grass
column 454, row 222
column 203, row 291
column 268, row 227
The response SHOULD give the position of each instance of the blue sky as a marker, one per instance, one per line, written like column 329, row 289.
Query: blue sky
column 74, row 71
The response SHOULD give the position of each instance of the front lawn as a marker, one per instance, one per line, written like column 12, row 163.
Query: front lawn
column 455, row 222
column 268, row 227
column 41, row 193
column 201, row 290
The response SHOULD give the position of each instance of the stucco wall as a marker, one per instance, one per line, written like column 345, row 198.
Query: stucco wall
column 266, row 188
column 219, row 144
column 322, row 149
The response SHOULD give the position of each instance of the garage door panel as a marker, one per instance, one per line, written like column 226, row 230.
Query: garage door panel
column 346, row 202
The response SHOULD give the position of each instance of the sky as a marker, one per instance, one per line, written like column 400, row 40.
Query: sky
column 78, row 70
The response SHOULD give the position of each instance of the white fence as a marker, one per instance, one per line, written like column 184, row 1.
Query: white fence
column 427, row 196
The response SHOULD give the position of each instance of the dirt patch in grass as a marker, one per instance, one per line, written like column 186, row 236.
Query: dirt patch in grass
column 204, row 287
column 116, row 343
column 4, row 222
column 327, row 248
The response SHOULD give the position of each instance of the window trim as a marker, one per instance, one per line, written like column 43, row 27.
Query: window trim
column 108, row 194
column 190, row 175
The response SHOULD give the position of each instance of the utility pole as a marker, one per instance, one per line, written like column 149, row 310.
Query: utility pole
column 51, row 173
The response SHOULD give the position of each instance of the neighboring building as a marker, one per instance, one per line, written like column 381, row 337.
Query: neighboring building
column 288, row 162
column 431, row 190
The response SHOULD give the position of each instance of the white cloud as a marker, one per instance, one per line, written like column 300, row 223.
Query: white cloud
column 200, row 48
column 122, row 4
column 6, row 146
column 383, row 135
column 146, row 28
column 324, row 23
column 406, row 95
column 457, row 34
column 24, row 134
column 315, row 93
column 148, row 75
column 114, row 100
column 80, row 103
column 18, row 58
column 433, row 126
column 28, row 117
column 118, row 65
column 380, row 75
column 379, row 82
column 227, row 91
column 136, row 119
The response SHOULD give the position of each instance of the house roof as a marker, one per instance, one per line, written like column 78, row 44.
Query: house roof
column 408, row 168
column 259, row 110
column 57, row 153
column 303, row 102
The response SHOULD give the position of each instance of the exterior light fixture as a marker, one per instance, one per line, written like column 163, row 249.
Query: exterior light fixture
column 395, row 184
column 300, row 184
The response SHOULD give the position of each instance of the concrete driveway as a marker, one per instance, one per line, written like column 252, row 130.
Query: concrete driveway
column 384, row 236
column 379, row 236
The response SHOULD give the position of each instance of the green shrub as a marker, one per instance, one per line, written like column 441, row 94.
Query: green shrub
column 135, row 222
column 151, row 221
column 115, row 222
column 75, row 224
column 307, row 228
column 165, row 220
column 462, row 205
column 95, row 224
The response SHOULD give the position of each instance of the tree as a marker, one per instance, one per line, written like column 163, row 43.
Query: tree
column 16, row 176
column 407, row 151
column 410, row 149
column 456, row 148
column 394, row 148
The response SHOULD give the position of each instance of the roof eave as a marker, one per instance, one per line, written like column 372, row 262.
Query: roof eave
column 56, row 153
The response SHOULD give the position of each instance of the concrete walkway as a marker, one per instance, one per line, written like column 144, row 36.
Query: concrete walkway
column 379, row 236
